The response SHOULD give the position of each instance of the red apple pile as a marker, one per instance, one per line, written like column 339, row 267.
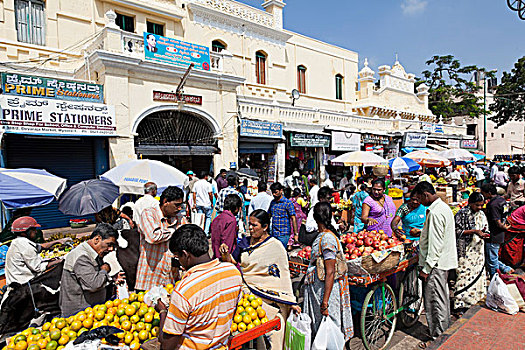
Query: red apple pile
column 366, row 242
column 305, row 253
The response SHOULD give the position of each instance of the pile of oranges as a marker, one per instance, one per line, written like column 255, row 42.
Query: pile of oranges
column 249, row 314
column 138, row 321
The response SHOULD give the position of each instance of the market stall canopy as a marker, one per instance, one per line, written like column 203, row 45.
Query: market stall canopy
column 401, row 165
column 88, row 197
column 478, row 156
column 25, row 187
column 428, row 159
column 359, row 158
column 458, row 155
column 130, row 177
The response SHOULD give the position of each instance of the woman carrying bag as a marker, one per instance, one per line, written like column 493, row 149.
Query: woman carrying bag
column 326, row 283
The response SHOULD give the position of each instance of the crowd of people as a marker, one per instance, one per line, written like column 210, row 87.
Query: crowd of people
column 243, row 245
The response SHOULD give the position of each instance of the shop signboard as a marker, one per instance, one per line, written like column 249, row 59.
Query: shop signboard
column 256, row 128
column 415, row 139
column 162, row 96
column 346, row 141
column 25, row 115
column 32, row 86
column 375, row 139
column 453, row 143
column 471, row 144
column 430, row 127
column 309, row 140
column 178, row 53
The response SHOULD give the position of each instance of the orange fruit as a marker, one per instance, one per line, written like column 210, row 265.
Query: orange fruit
column 249, row 309
column 155, row 331
column 247, row 319
column 264, row 320
column 256, row 322
column 87, row 323
column 55, row 334
column 128, row 338
column 130, row 310
column 237, row 318
column 134, row 318
column 61, row 323
column 253, row 315
column 233, row 327
column 99, row 315
column 250, row 326
column 135, row 345
column 126, row 325
column 261, row 313
column 33, row 346
column 241, row 327
column 255, row 304
column 52, row 345
column 21, row 345
column 42, row 343
column 81, row 317
column 46, row 326
column 64, row 339
column 72, row 335
column 123, row 318
column 109, row 318
column 143, row 335
column 142, row 311
column 148, row 318
column 239, row 309
column 246, row 304
column 19, row 338
column 76, row 325
column 141, row 326
column 132, row 297
column 109, row 304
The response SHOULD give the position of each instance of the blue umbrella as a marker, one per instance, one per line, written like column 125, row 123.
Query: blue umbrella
column 88, row 197
column 24, row 187
column 401, row 165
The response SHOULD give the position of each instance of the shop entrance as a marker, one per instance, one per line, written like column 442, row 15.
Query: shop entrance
column 183, row 139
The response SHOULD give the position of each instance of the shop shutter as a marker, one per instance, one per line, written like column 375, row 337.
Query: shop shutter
column 70, row 158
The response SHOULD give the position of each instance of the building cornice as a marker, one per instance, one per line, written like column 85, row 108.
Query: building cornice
column 238, row 20
column 143, row 6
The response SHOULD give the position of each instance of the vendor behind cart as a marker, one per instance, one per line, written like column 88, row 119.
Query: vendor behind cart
column 23, row 260
column 411, row 215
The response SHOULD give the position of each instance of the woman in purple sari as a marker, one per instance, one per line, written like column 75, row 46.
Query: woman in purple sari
column 378, row 209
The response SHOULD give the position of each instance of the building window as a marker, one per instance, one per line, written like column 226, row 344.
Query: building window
column 30, row 21
column 471, row 129
column 155, row 28
column 217, row 46
column 301, row 79
column 260, row 67
column 491, row 134
column 126, row 23
column 502, row 136
column 339, row 87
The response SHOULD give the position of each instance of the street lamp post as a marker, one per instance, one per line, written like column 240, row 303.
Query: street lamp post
column 485, row 115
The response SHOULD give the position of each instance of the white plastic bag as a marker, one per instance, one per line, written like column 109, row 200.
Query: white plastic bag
column 198, row 219
column 499, row 298
column 156, row 293
column 329, row 336
column 298, row 332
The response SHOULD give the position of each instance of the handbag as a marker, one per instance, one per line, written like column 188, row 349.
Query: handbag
column 340, row 262
column 305, row 237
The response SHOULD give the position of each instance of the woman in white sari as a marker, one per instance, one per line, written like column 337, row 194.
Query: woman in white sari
column 265, row 269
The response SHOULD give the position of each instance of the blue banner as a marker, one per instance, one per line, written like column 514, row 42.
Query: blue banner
column 172, row 51
column 255, row 128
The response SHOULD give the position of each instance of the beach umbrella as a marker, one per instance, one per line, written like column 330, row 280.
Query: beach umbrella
column 130, row 177
column 25, row 187
column 359, row 158
column 402, row 165
column 458, row 155
column 428, row 159
column 88, row 197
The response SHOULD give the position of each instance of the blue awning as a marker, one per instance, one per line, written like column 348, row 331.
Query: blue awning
column 412, row 149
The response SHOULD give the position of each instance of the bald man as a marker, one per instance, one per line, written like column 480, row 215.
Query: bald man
column 146, row 201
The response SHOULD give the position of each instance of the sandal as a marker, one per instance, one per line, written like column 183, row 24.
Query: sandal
column 424, row 344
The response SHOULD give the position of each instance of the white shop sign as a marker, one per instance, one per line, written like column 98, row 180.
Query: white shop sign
column 26, row 115
column 453, row 143
column 346, row 141
column 413, row 139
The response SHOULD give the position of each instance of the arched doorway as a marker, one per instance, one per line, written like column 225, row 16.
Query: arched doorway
column 183, row 138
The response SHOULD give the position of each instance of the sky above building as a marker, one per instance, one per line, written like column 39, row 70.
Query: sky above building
column 485, row 33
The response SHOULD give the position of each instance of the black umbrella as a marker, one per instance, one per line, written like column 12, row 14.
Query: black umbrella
column 88, row 197
column 247, row 172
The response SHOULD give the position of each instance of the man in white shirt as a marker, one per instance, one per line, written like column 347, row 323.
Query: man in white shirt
column 437, row 256
column 313, row 191
column 479, row 175
column 23, row 261
column 293, row 181
column 453, row 180
column 328, row 183
column 324, row 195
column 146, row 201
column 262, row 200
column 493, row 170
column 202, row 199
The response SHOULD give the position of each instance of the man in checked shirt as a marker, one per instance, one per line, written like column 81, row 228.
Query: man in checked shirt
column 156, row 226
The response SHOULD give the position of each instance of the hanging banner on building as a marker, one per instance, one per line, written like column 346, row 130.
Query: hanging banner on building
column 24, row 115
column 430, row 127
column 172, row 51
column 471, row 144
column 309, row 140
column 256, row 128
column 41, row 87
column 413, row 139
column 346, row 141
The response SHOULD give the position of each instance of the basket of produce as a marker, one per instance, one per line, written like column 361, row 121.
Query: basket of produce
column 395, row 193
column 78, row 223
column 371, row 252
column 380, row 170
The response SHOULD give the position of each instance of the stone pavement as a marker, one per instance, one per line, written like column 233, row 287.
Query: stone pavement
column 483, row 329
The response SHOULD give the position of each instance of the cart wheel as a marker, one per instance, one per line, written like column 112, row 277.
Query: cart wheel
column 411, row 297
column 376, row 328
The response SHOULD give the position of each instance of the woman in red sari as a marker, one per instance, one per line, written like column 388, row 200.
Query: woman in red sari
column 513, row 249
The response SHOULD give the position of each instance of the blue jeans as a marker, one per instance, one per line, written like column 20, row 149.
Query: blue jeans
column 284, row 240
column 207, row 212
column 492, row 259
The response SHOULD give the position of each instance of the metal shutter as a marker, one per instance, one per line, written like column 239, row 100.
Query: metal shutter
column 70, row 158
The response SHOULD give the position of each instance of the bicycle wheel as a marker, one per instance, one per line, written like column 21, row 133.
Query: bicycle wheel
column 514, row 5
column 377, row 328
column 411, row 297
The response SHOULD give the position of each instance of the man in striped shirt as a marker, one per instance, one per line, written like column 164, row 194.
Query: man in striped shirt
column 156, row 226
column 202, row 305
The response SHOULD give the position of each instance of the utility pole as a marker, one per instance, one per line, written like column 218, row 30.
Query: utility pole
column 485, row 113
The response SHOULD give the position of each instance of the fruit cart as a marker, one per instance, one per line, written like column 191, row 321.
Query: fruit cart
column 237, row 341
column 381, row 308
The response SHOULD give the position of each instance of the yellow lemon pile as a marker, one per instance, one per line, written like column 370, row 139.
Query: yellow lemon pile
column 138, row 321
column 249, row 314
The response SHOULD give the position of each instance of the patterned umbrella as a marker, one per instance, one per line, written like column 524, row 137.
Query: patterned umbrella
column 428, row 159
column 402, row 165
column 359, row 158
